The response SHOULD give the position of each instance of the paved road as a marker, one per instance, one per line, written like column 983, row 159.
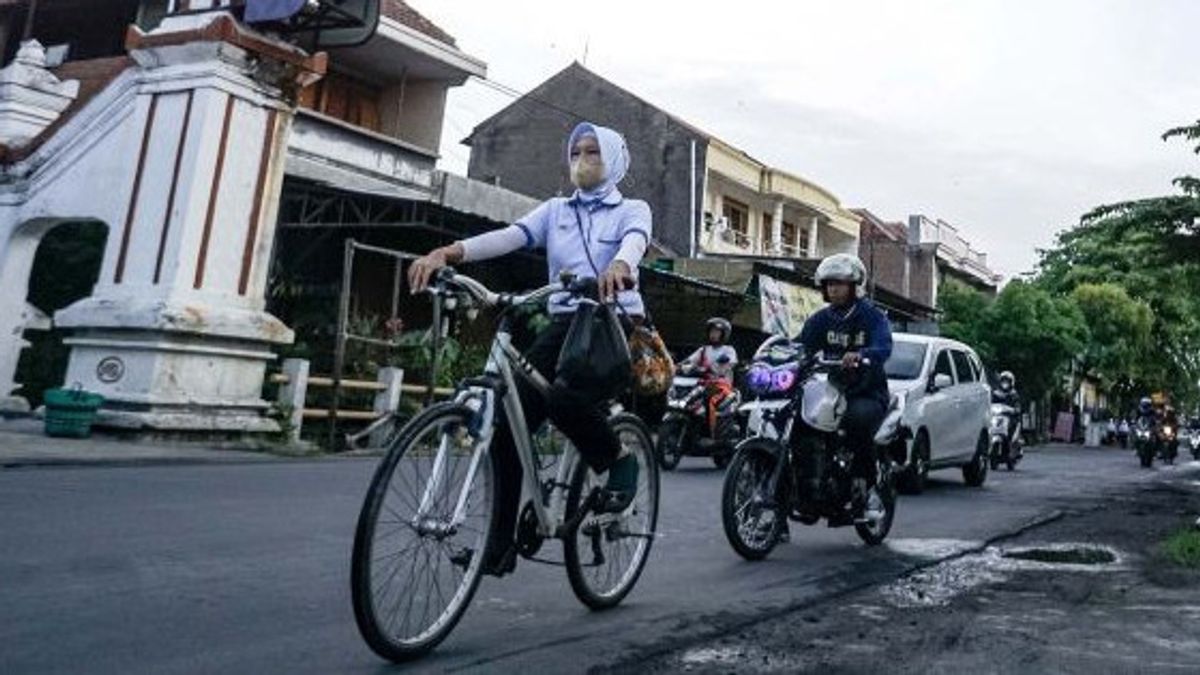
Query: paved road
column 244, row 568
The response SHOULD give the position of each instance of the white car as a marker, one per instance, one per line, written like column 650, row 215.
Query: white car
column 943, row 400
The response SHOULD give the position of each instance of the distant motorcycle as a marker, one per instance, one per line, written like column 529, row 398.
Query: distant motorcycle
column 1194, row 443
column 1005, row 445
column 1168, row 445
column 685, row 430
column 1145, row 442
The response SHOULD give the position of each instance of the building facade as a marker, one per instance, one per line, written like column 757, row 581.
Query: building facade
column 211, row 152
column 915, row 258
column 708, row 197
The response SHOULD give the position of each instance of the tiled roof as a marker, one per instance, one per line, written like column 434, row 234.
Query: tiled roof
column 398, row 10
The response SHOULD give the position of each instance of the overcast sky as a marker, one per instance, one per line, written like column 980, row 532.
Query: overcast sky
column 1008, row 119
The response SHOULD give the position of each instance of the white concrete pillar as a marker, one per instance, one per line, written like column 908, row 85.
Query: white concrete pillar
column 174, row 335
column 292, row 394
column 813, row 225
column 777, row 230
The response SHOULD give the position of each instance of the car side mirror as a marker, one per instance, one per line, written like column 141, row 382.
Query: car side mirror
column 940, row 381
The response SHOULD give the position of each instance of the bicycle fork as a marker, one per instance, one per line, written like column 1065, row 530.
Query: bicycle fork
column 481, row 403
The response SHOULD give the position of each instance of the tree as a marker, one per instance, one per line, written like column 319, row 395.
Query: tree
column 1118, row 327
column 1151, row 249
column 963, row 309
column 1025, row 330
column 1035, row 335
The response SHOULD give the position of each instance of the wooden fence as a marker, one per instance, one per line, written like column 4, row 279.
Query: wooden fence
column 294, row 382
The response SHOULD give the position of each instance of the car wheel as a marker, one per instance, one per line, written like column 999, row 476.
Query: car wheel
column 912, row 481
column 975, row 472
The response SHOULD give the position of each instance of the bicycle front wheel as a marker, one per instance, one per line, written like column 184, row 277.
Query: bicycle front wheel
column 418, row 556
column 605, row 555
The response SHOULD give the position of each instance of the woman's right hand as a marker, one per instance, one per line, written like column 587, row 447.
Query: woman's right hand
column 421, row 271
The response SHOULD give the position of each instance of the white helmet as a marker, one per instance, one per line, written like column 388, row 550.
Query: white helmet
column 841, row 267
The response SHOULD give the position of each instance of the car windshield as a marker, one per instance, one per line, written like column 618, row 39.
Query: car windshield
column 906, row 361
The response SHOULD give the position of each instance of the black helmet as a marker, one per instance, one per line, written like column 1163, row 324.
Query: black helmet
column 720, row 324
column 1145, row 404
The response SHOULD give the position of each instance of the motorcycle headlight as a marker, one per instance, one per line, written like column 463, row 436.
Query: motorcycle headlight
column 1168, row 431
column 999, row 424
column 763, row 379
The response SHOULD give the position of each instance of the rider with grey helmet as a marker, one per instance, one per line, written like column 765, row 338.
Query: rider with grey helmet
column 852, row 329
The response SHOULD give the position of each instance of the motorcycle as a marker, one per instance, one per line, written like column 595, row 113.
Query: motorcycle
column 1194, row 443
column 685, row 430
column 1005, row 445
column 771, row 481
column 1168, row 445
column 1145, row 442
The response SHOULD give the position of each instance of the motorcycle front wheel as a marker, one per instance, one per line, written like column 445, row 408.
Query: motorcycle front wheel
column 1146, row 456
column 752, row 519
column 874, row 532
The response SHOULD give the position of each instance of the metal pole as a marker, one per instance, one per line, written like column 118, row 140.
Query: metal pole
column 435, row 342
column 29, row 20
column 397, row 264
column 339, row 352
column 692, row 212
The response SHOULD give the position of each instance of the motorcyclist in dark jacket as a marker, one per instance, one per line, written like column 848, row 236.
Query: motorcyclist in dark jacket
column 1146, row 415
column 850, row 328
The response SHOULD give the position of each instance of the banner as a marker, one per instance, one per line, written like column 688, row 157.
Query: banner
column 785, row 306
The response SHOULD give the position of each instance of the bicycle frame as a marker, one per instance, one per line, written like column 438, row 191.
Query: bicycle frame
column 506, row 363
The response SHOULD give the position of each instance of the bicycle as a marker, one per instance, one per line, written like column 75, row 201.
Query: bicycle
column 422, row 533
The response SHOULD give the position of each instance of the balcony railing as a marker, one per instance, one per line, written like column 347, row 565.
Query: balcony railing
column 736, row 238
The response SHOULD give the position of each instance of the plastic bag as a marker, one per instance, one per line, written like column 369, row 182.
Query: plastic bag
column 595, row 356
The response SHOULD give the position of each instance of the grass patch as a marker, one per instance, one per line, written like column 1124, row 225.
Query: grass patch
column 1183, row 548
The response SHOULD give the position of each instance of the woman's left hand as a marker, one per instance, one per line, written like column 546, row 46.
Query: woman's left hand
column 616, row 278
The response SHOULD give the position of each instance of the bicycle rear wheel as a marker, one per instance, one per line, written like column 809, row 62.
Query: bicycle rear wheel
column 413, row 574
column 605, row 555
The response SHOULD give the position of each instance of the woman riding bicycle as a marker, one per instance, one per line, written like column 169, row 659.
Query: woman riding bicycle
column 595, row 232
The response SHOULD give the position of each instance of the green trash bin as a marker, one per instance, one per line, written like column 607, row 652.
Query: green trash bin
column 71, row 412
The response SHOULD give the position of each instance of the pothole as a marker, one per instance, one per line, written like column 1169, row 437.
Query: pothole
column 1066, row 555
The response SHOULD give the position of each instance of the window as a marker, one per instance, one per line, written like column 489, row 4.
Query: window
column 802, row 246
column 906, row 361
column 963, row 365
column 977, row 367
column 789, row 233
column 942, row 365
column 738, row 215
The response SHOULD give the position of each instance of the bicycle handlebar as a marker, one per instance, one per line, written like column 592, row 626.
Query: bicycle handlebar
column 568, row 283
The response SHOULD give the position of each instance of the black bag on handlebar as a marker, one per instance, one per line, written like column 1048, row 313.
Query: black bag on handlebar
column 595, row 356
